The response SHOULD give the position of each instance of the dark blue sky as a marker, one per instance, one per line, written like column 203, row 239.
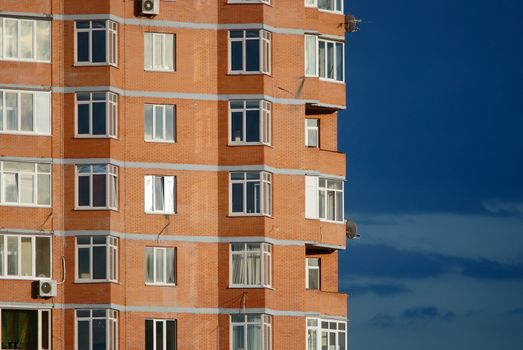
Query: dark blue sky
column 434, row 141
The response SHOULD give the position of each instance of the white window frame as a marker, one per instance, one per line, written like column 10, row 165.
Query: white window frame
column 326, row 42
column 4, row 257
column 39, row 326
column 165, row 66
column 265, row 254
column 265, row 324
column 315, row 55
column 164, row 124
column 316, row 325
column 308, row 268
column 311, row 3
column 111, row 255
column 264, row 108
column 41, row 110
column 309, row 128
column 111, row 173
column 336, row 10
column 165, row 263
column 111, row 114
column 268, row 2
column 265, row 63
column 314, row 186
column 111, row 326
column 111, row 43
column 150, row 193
column 34, row 23
column 163, row 322
column 265, row 183
column 36, row 173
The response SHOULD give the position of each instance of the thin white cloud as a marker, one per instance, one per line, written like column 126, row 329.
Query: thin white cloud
column 498, row 206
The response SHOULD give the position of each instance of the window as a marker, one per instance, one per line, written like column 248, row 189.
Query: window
column 160, row 334
column 96, row 42
column 96, row 329
column 250, row 122
column 311, row 3
column 25, row 112
column 96, row 114
column 25, row 184
column 268, row 2
column 159, row 52
column 160, row 123
column 97, row 259
column 313, row 273
column 311, row 55
column 25, row 329
column 250, row 193
column 330, row 59
column 312, row 133
column 323, row 199
column 25, row 40
column 326, row 334
column 251, row 332
column 97, row 186
column 249, row 51
column 25, row 257
column 160, row 194
column 330, row 5
column 160, row 265
column 251, row 265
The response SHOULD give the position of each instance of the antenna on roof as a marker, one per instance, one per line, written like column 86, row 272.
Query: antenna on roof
column 351, row 23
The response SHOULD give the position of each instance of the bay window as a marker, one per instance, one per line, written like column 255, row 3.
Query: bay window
column 249, row 51
column 331, row 5
column 160, row 265
column 324, row 199
column 251, row 332
column 330, row 60
column 96, row 329
column 25, row 40
column 250, row 193
column 25, row 329
column 251, row 265
column 96, row 114
column 97, row 186
column 160, row 123
column 326, row 334
column 96, row 42
column 25, row 257
column 250, row 122
column 25, row 184
column 25, row 112
column 96, row 258
column 311, row 55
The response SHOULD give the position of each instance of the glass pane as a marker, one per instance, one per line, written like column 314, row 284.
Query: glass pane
column 11, row 110
column 314, row 280
column 1, row 92
column 159, row 335
column 99, row 262
column 148, row 122
column 158, row 193
column 330, row 205
column 236, row 126
column 253, row 197
column 44, row 189
column 83, row 191
column 11, row 38
column 46, row 344
column 2, row 255
column 82, row 46
column 12, row 256
column 310, row 48
column 322, row 204
column 170, row 265
column 237, row 198
column 312, row 137
column 324, row 341
column 169, row 51
column 330, row 60
column 99, row 334
column 20, row 329
column 171, row 335
column 26, row 39
column 83, row 263
column 236, row 56
column 149, row 336
column 339, row 62
column 27, row 257
column 98, row 24
column 238, row 269
column 252, row 52
column 254, row 269
column 321, row 58
column 26, row 189
column 99, row 46
column 253, row 126
column 169, row 123
column 43, row 40
column 149, row 265
column 99, row 191
column 339, row 206
column 11, row 188
column 341, row 341
column 158, row 123
column 148, row 51
column 236, row 33
column 254, row 337
column 43, row 257
column 160, row 266
column 158, row 51
column 238, row 341
column 99, row 118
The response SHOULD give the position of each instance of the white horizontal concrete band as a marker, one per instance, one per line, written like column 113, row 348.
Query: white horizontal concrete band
column 26, row 14
column 24, row 87
column 172, row 166
column 171, row 309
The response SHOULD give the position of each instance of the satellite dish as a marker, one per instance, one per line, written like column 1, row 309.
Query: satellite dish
column 351, row 23
column 351, row 230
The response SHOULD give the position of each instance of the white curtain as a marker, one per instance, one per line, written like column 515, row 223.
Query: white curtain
column 254, row 337
column 238, row 266
column 148, row 193
column 169, row 185
column 254, row 269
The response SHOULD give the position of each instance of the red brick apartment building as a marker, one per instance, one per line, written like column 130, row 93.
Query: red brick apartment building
column 169, row 174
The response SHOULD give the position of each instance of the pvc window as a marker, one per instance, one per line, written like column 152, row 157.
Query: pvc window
column 160, row 266
column 311, row 55
column 96, row 114
column 326, row 334
column 250, row 122
column 251, row 265
column 249, row 51
column 250, row 193
column 312, row 276
column 330, row 5
column 25, row 257
column 160, row 334
column 96, row 329
column 96, row 259
column 97, row 186
column 159, row 52
column 25, row 184
column 25, row 112
column 25, row 40
column 331, row 65
column 311, row 3
column 251, row 332
column 160, row 123
column 160, row 194
column 312, row 133
column 96, row 42
column 25, row 329
column 330, row 194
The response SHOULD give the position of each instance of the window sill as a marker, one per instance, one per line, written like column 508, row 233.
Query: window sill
column 332, row 12
column 251, row 287
column 94, row 282
column 87, row 64
column 23, row 60
column 240, row 2
column 159, row 70
column 160, row 284
column 17, row 133
column 160, row 213
column 92, row 209
column 327, row 80
column 24, row 278
column 248, row 73
column 161, row 141
column 25, row 205
column 249, row 144
column 82, row 137
column 250, row 216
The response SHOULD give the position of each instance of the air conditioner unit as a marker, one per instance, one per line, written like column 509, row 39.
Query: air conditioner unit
column 46, row 288
column 150, row 7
